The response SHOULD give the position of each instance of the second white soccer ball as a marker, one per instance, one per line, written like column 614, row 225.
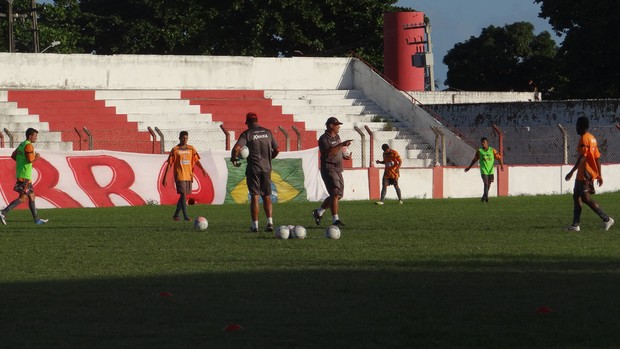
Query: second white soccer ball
column 299, row 232
column 245, row 152
column 332, row 232
column 201, row 224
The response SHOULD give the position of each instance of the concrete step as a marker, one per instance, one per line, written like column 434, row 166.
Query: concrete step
column 156, row 109
column 321, row 102
column 313, row 94
column 175, row 124
column 332, row 110
column 14, row 112
column 7, row 118
column 23, row 126
column 137, row 94
column 180, row 103
column 201, row 119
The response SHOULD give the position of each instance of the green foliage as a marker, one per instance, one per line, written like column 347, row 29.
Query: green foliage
column 429, row 273
column 261, row 28
column 590, row 50
column 510, row 58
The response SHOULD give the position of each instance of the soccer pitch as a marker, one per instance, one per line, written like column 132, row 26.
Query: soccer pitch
column 426, row 274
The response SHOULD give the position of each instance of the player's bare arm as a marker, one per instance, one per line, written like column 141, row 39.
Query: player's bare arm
column 476, row 158
column 204, row 172
column 599, row 180
column 163, row 179
column 578, row 163
column 234, row 155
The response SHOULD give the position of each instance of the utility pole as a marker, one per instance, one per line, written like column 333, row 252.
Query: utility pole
column 35, row 28
column 11, row 39
column 430, row 65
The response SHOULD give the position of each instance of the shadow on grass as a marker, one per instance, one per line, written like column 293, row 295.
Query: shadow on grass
column 318, row 309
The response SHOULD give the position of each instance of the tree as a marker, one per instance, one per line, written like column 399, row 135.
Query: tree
column 262, row 28
column 503, row 59
column 22, row 25
column 590, row 50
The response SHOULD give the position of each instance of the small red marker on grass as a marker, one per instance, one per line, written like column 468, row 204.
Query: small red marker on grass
column 233, row 327
column 544, row 310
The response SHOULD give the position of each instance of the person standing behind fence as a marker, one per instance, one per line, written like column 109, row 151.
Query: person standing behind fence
column 24, row 157
column 392, row 162
column 486, row 156
column 183, row 157
column 588, row 167
column 331, row 149
column 263, row 148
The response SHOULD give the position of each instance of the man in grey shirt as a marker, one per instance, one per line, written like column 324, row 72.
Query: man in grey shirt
column 263, row 148
column 331, row 149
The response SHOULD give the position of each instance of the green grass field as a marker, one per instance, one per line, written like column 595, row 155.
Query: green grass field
column 426, row 274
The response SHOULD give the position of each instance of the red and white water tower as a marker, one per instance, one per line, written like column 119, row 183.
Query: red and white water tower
column 407, row 51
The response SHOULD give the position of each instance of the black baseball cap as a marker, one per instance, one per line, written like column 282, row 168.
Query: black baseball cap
column 332, row 121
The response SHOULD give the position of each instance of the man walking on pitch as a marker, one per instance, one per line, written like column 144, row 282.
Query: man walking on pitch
column 331, row 149
column 486, row 156
column 263, row 147
column 24, row 157
column 182, row 157
column 588, row 167
column 392, row 162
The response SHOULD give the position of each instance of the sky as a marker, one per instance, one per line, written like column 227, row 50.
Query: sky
column 454, row 21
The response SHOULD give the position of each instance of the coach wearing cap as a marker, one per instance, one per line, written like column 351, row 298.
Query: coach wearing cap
column 331, row 149
column 263, row 147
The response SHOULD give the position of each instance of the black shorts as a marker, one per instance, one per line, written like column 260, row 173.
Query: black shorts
column 390, row 181
column 23, row 187
column 184, row 187
column 333, row 182
column 488, row 178
column 259, row 183
column 582, row 187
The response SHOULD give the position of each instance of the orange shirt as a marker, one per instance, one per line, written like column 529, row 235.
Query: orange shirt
column 589, row 149
column 392, row 162
column 183, row 159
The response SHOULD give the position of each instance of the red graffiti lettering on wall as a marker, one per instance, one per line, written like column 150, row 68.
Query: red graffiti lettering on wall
column 122, row 179
column 44, row 185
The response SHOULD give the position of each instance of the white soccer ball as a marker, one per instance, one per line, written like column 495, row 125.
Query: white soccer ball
column 282, row 232
column 245, row 152
column 332, row 232
column 299, row 232
column 201, row 224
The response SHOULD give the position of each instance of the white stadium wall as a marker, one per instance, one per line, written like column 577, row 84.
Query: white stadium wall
column 54, row 71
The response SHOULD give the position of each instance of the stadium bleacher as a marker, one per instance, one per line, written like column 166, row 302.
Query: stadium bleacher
column 119, row 119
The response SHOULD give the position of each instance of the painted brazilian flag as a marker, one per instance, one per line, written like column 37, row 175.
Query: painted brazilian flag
column 287, row 182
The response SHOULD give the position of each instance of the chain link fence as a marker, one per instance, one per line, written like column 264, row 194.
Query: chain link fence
column 418, row 147
column 545, row 144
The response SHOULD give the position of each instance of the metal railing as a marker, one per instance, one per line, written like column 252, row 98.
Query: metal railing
column 418, row 147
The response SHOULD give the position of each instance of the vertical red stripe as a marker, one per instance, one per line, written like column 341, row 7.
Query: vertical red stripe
column 502, row 181
column 438, row 182
column 374, row 186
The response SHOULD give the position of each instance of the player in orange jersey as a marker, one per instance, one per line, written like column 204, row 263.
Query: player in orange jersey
column 588, row 167
column 392, row 162
column 183, row 157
